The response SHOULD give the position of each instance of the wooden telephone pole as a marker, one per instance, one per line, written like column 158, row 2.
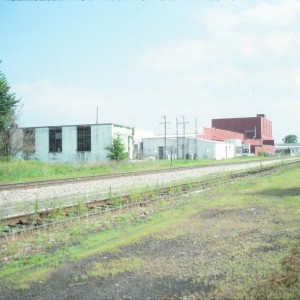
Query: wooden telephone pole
column 165, row 127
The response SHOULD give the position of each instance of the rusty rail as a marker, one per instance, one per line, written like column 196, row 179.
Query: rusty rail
column 47, row 217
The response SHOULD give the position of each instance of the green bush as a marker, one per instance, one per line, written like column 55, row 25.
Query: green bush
column 117, row 150
column 262, row 153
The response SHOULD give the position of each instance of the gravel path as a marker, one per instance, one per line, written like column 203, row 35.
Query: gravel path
column 17, row 202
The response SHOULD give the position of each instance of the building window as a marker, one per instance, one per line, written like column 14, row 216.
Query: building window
column 29, row 140
column 83, row 138
column 55, row 140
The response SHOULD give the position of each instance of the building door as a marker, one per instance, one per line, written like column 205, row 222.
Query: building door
column 160, row 152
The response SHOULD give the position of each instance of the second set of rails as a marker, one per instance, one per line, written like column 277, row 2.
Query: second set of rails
column 46, row 218
column 43, row 217
column 51, row 182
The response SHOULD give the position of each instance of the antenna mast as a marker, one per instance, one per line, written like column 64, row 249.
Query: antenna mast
column 97, row 116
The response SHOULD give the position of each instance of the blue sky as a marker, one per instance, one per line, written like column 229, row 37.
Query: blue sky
column 139, row 60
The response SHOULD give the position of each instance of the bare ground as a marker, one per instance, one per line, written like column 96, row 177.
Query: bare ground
column 219, row 253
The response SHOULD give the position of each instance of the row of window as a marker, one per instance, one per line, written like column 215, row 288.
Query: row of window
column 83, row 139
column 55, row 139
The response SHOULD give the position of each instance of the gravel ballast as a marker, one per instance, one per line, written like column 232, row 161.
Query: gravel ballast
column 21, row 201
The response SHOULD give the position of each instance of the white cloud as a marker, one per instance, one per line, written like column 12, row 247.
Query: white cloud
column 262, row 31
column 47, row 103
column 46, row 100
column 220, row 23
column 275, row 14
column 294, row 78
column 280, row 43
column 178, row 56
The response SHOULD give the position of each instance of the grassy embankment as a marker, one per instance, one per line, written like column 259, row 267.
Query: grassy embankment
column 16, row 170
column 245, row 242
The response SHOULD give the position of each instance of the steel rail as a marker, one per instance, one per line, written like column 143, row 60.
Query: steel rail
column 35, row 220
column 52, row 182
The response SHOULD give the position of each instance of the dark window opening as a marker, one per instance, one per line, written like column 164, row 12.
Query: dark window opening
column 83, row 138
column 160, row 152
column 28, row 140
column 55, row 140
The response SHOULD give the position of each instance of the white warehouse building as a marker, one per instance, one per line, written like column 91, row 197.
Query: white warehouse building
column 71, row 143
column 187, row 148
column 292, row 148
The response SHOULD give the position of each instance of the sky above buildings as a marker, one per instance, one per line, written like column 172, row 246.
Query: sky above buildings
column 139, row 60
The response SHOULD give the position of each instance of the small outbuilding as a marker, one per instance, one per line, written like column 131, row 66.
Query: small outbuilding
column 186, row 148
column 71, row 143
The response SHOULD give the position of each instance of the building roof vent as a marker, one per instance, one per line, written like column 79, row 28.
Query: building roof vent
column 261, row 115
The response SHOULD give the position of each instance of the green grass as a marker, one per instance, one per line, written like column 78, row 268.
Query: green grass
column 22, row 170
column 256, row 272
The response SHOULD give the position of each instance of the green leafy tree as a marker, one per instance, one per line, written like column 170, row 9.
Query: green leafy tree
column 290, row 139
column 117, row 150
column 8, row 103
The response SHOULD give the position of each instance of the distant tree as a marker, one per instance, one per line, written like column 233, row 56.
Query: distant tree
column 290, row 139
column 8, row 115
column 117, row 150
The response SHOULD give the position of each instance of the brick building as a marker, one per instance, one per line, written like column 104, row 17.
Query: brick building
column 258, row 128
column 255, row 131
column 220, row 135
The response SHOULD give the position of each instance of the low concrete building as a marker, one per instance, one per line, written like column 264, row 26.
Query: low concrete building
column 186, row 148
column 288, row 148
column 139, row 134
column 207, row 149
column 237, row 144
column 72, row 143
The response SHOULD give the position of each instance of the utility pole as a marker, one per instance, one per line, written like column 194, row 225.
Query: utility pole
column 183, row 152
column 177, row 146
column 165, row 126
column 97, row 116
column 196, row 144
column 183, row 123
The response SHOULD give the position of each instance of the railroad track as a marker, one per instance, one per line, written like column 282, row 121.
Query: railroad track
column 43, row 183
column 48, row 217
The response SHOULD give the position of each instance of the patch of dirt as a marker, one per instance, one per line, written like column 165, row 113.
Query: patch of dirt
column 240, row 213
column 217, row 254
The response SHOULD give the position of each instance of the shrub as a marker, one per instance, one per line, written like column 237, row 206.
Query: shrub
column 262, row 153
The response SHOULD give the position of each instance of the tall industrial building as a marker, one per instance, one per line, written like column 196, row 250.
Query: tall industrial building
column 256, row 131
column 257, row 127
